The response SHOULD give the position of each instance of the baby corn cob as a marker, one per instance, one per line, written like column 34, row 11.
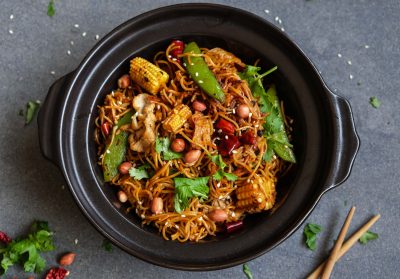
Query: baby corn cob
column 147, row 75
column 256, row 196
column 179, row 115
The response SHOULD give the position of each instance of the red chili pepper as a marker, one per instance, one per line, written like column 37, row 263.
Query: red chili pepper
column 177, row 49
column 4, row 238
column 57, row 273
column 233, row 226
column 228, row 144
column 225, row 126
column 105, row 127
column 248, row 137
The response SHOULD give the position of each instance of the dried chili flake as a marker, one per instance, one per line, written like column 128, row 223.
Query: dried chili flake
column 4, row 238
column 57, row 273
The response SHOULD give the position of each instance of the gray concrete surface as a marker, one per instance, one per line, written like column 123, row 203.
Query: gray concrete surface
column 32, row 188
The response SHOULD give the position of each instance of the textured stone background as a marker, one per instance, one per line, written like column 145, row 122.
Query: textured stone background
column 31, row 187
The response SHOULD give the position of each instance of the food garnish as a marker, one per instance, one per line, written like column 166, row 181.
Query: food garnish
column 27, row 250
column 310, row 234
column 367, row 236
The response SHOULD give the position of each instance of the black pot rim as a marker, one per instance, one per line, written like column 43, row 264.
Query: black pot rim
column 338, row 106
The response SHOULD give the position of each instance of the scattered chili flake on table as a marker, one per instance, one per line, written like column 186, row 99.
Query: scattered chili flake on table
column 57, row 273
column 4, row 238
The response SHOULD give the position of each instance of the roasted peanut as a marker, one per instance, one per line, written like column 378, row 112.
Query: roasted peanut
column 178, row 145
column 199, row 106
column 192, row 156
column 243, row 111
column 67, row 259
column 124, row 81
column 124, row 167
column 218, row 215
column 157, row 205
column 122, row 197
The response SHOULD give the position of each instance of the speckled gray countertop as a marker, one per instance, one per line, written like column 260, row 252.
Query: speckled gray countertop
column 355, row 45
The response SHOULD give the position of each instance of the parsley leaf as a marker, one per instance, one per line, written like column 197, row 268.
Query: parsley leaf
column 51, row 11
column 310, row 233
column 107, row 245
column 220, row 174
column 31, row 109
column 186, row 188
column 247, row 271
column 367, row 236
column 27, row 250
column 163, row 146
column 277, row 140
column 139, row 173
column 374, row 102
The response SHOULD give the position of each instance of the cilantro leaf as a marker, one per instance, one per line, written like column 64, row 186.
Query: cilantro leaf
column 310, row 233
column 186, row 188
column 374, row 102
column 367, row 236
column 27, row 250
column 220, row 174
column 247, row 271
column 31, row 109
column 51, row 11
column 107, row 245
column 163, row 146
column 277, row 140
column 138, row 173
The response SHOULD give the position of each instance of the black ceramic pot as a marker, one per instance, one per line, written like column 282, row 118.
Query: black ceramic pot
column 325, row 140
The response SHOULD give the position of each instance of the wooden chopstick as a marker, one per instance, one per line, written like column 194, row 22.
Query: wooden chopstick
column 332, row 258
column 347, row 245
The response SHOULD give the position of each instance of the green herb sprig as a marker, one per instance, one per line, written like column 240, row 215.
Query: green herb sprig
column 310, row 233
column 186, row 188
column 163, row 147
column 27, row 250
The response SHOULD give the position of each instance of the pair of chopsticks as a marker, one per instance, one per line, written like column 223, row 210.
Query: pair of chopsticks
column 325, row 268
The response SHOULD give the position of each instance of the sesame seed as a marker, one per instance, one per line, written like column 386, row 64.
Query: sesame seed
column 280, row 21
column 53, row 73
column 112, row 93
column 266, row 11
column 366, row 46
column 234, row 111
column 200, row 81
column 256, row 125
column 174, row 59
column 142, row 216
column 68, row 52
column 234, row 151
column 219, row 131
column 283, row 29
column 108, row 151
column 339, row 55
column 76, row 25
column 349, row 62
column 119, row 103
column 183, row 215
column 84, row 34
column 276, row 18
column 97, row 37
column 158, row 107
column 250, row 114
column 76, row 241
column 62, row 187
column 196, row 74
column 184, row 64
column 220, row 197
column 200, row 218
column 176, row 226
column 226, row 137
column 351, row 76
column 10, row 31
column 72, row 43
column 11, row 16
column 38, row 101
column 136, row 114
column 248, row 180
column 219, row 184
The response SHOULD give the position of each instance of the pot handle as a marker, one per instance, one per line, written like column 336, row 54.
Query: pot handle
column 347, row 144
column 49, row 119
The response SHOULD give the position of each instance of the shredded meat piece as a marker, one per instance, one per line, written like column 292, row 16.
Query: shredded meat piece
column 144, row 123
column 203, row 129
column 218, row 54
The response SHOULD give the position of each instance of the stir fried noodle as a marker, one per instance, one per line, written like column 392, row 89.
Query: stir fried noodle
column 253, row 187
